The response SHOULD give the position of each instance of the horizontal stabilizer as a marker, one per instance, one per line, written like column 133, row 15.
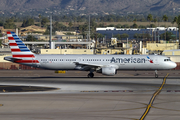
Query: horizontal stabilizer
column 12, row 59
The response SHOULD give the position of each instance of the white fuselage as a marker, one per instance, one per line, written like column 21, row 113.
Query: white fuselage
column 120, row 62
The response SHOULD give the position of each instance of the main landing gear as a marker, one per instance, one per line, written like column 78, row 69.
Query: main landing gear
column 156, row 74
column 90, row 75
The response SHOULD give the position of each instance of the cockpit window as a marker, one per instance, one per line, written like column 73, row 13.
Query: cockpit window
column 167, row 60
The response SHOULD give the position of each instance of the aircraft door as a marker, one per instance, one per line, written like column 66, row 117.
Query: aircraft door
column 156, row 61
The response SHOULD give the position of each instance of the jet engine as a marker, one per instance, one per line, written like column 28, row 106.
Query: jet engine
column 110, row 71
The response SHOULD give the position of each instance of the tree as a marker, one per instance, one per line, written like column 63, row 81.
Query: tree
column 125, row 26
column 175, row 21
column 101, row 25
column 59, row 27
column 152, row 26
column 93, row 26
column 168, row 36
column 118, row 26
column 28, row 22
column 1, row 23
column 135, row 20
column 40, row 19
column 0, row 40
column 155, row 20
column 178, row 23
column 149, row 18
column 44, row 21
column 124, row 35
column 9, row 24
column 24, row 23
column 99, row 35
column 134, row 25
column 70, row 24
column 118, row 36
column 83, row 29
column 165, row 18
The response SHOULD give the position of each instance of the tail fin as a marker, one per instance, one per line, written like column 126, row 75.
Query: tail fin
column 18, row 48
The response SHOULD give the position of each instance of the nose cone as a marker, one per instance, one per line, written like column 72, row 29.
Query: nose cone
column 173, row 65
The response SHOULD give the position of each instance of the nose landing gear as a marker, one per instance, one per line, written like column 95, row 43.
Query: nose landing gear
column 156, row 74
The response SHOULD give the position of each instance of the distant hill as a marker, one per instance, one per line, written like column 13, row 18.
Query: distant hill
column 92, row 6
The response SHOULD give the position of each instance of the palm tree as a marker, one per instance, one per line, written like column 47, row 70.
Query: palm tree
column 178, row 23
column 70, row 25
column 155, row 21
column 135, row 20
column 175, row 21
column 165, row 18
column 40, row 19
column 150, row 18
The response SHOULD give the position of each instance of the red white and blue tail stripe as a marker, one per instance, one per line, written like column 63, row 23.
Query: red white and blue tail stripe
column 18, row 48
column 20, row 52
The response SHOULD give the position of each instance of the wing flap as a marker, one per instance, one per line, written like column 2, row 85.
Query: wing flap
column 88, row 64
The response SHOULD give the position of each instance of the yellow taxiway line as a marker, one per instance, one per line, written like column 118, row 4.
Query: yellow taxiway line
column 153, row 98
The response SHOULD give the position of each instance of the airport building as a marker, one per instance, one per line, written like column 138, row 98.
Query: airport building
column 74, row 44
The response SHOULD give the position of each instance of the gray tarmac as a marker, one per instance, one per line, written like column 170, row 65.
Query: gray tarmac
column 76, row 97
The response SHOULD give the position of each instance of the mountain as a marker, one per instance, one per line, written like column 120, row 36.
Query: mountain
column 92, row 6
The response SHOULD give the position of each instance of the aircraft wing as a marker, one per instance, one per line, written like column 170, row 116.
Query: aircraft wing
column 88, row 64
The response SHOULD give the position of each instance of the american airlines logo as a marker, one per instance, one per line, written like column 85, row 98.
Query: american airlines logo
column 129, row 60
column 151, row 61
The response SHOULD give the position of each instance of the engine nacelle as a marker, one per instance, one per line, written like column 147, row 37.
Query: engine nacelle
column 110, row 71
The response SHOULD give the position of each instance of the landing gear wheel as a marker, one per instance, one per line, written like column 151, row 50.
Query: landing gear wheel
column 156, row 75
column 90, row 75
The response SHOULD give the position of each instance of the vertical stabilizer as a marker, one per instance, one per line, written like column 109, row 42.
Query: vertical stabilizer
column 18, row 48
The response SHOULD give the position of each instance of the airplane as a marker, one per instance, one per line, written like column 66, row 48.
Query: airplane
column 104, row 64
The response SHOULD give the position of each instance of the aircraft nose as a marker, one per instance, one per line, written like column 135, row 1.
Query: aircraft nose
column 173, row 64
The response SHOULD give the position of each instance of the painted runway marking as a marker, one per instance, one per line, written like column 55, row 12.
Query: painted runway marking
column 153, row 98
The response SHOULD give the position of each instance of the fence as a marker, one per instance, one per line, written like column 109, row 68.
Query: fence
column 14, row 66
